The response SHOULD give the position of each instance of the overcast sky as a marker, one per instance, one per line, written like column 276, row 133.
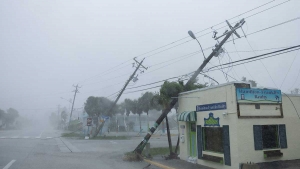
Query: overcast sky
column 47, row 46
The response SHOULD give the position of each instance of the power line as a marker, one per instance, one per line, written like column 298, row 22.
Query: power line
column 295, row 80
column 289, row 69
column 188, row 36
column 244, row 65
column 229, row 40
column 210, row 69
column 262, row 63
column 275, row 53
column 109, row 71
column 194, row 53
column 208, row 28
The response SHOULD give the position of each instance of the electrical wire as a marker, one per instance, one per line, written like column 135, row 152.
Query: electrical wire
column 109, row 70
column 293, row 105
column 244, row 65
column 275, row 53
column 255, row 57
column 295, row 80
column 289, row 69
column 261, row 62
column 230, row 41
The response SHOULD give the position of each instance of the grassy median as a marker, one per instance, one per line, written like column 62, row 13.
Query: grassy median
column 80, row 136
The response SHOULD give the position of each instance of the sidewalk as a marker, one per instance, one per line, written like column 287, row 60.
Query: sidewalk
column 178, row 164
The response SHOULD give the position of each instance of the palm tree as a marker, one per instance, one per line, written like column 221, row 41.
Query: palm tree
column 145, row 101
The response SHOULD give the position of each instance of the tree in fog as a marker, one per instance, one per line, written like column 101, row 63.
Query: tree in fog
column 2, row 117
column 11, row 116
column 145, row 102
column 135, row 107
column 97, row 107
column 64, row 116
column 295, row 91
column 252, row 82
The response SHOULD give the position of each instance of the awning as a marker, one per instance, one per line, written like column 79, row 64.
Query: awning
column 187, row 116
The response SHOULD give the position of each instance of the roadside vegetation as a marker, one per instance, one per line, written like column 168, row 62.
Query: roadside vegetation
column 80, row 136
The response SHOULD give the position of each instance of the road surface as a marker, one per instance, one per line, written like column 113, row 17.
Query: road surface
column 37, row 148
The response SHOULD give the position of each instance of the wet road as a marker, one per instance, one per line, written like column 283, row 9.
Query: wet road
column 43, row 148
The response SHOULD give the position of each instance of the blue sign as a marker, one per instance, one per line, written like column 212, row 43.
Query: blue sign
column 245, row 95
column 209, row 107
column 105, row 117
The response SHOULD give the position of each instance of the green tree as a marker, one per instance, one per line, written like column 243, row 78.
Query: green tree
column 2, row 117
column 167, row 92
column 64, row 116
column 98, row 106
column 295, row 91
column 11, row 116
column 135, row 107
column 146, row 104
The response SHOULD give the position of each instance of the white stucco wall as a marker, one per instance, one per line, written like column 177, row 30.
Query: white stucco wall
column 216, row 95
column 240, row 130
column 292, row 122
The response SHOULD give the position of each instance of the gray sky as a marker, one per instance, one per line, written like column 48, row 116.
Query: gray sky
column 47, row 46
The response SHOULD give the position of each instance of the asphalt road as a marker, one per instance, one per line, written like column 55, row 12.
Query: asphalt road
column 37, row 148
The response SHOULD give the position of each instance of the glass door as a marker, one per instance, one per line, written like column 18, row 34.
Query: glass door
column 193, row 146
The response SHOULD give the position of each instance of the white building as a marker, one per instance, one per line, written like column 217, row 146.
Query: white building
column 226, row 125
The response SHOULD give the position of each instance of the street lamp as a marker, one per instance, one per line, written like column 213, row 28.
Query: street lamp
column 194, row 37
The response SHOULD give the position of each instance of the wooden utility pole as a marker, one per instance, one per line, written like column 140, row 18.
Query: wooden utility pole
column 139, row 64
column 218, row 46
column 76, row 91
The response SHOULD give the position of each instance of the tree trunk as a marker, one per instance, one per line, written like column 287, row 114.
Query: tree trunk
column 148, row 129
column 140, row 123
column 177, row 145
column 169, row 136
column 98, row 128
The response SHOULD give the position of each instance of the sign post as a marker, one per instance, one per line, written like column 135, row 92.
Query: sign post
column 88, row 123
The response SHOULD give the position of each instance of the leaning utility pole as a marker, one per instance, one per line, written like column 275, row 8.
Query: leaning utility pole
column 76, row 91
column 139, row 64
column 215, row 52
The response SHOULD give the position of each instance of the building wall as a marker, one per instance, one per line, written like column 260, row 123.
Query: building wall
column 290, row 119
column 215, row 95
column 241, row 130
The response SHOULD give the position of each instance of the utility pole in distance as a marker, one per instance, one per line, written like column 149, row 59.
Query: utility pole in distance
column 215, row 52
column 76, row 91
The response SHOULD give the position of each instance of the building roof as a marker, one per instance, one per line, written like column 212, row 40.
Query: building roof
column 213, row 87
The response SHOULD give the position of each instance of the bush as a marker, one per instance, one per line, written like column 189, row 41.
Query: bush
column 75, row 125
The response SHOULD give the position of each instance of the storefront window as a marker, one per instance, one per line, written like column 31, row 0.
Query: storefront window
column 270, row 136
column 213, row 139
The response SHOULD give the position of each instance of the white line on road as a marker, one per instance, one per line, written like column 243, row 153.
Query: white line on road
column 15, row 137
column 26, row 137
column 113, row 142
column 2, row 137
column 48, row 137
column 9, row 164
column 37, row 137
column 41, row 134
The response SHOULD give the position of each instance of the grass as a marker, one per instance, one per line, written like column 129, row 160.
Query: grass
column 160, row 151
column 79, row 136
column 110, row 138
column 71, row 135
